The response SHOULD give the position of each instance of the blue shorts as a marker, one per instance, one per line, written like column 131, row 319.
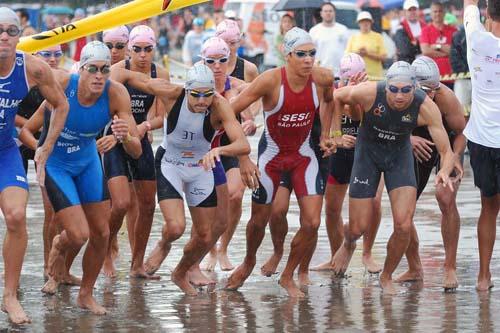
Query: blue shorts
column 12, row 170
column 72, row 185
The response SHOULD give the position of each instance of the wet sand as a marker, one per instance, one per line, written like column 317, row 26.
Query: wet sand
column 353, row 304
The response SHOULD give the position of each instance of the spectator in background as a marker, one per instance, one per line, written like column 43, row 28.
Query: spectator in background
column 218, row 16
column 24, row 17
column 192, row 43
column 368, row 44
column 330, row 38
column 287, row 22
column 436, row 39
column 163, row 35
column 82, row 41
column 458, row 60
column 408, row 34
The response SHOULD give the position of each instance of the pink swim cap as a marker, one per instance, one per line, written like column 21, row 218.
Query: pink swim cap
column 228, row 30
column 142, row 34
column 351, row 64
column 118, row 34
column 214, row 46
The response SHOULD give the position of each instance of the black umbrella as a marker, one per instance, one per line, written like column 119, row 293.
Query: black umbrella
column 283, row 5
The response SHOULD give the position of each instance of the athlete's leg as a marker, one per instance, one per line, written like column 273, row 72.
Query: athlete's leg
column 486, row 232
column 278, row 225
column 236, row 191
column 303, row 241
column 97, row 215
column 120, row 202
column 13, row 202
column 49, row 230
column 175, row 224
column 132, row 215
column 196, row 248
column 450, row 231
column 369, row 236
column 146, row 192
column 360, row 214
column 334, row 200
column 403, row 200
column 255, row 232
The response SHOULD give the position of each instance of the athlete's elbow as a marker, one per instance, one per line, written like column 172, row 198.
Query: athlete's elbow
column 136, row 151
column 245, row 148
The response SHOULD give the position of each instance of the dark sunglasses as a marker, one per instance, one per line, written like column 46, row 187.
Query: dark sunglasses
column 93, row 69
column 199, row 94
column 147, row 49
column 118, row 46
column 50, row 54
column 303, row 54
column 403, row 90
column 212, row 61
column 12, row 31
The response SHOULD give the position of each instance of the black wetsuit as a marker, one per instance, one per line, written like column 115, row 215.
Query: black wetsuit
column 383, row 145
column 116, row 161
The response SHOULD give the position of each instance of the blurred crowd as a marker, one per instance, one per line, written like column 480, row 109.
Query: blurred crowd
column 410, row 31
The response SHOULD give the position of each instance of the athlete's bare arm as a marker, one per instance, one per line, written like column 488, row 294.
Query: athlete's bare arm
column 453, row 113
column 124, row 126
column 430, row 116
column 359, row 97
column 32, row 126
column 39, row 74
column 324, row 82
column 265, row 86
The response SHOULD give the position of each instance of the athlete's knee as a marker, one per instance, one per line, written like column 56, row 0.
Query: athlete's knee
column 15, row 218
column 490, row 205
column 446, row 200
column 402, row 226
column 278, row 218
column 203, row 238
column 173, row 230
column 310, row 226
column 78, row 238
column 333, row 211
column 100, row 233
column 147, row 204
column 236, row 195
column 121, row 205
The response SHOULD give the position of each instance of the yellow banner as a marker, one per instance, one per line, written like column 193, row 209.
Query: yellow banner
column 125, row 14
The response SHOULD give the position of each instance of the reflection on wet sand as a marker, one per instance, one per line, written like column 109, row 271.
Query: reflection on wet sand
column 353, row 304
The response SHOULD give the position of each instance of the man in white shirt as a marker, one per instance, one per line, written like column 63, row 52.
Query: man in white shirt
column 330, row 38
column 483, row 128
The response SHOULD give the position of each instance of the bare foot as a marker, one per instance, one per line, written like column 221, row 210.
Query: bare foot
column 410, row 276
column 50, row 287
column 371, row 265
column 342, row 257
column 291, row 287
column 450, row 281
column 197, row 278
column 71, row 280
column 89, row 303
column 108, row 267
column 326, row 266
column 224, row 262
column 271, row 265
column 304, row 279
column 209, row 263
column 484, row 284
column 182, row 282
column 14, row 310
column 239, row 276
column 387, row 285
column 156, row 258
column 142, row 274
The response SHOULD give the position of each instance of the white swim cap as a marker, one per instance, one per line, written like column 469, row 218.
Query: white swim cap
column 401, row 72
column 351, row 64
column 294, row 38
column 94, row 51
column 8, row 16
column 199, row 76
column 427, row 72
column 118, row 34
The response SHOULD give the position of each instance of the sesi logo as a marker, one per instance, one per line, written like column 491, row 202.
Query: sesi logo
column 295, row 117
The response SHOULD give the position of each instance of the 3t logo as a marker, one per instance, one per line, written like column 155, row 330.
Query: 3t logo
column 186, row 135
